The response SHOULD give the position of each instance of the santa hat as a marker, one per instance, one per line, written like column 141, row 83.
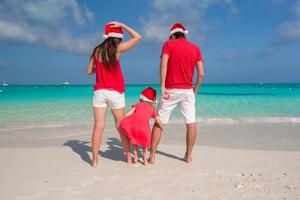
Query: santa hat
column 148, row 94
column 178, row 27
column 110, row 31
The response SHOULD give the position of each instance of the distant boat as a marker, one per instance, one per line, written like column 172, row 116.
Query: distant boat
column 65, row 83
column 4, row 84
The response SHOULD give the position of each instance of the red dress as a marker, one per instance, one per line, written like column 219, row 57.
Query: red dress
column 136, row 126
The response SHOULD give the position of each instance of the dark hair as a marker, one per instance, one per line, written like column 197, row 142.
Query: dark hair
column 108, row 50
column 178, row 35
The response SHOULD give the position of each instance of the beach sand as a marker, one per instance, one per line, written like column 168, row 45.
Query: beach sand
column 230, row 161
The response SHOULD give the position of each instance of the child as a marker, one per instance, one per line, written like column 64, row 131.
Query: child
column 135, row 125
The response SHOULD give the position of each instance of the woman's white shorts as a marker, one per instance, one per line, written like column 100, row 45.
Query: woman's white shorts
column 113, row 99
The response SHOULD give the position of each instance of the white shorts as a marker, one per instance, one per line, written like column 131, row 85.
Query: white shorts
column 184, row 98
column 113, row 99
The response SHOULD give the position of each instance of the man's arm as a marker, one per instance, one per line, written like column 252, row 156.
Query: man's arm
column 163, row 74
column 200, row 76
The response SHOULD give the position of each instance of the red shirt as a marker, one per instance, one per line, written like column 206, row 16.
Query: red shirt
column 110, row 79
column 183, row 57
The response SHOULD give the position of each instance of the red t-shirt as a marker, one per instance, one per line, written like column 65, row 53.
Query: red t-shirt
column 110, row 79
column 183, row 57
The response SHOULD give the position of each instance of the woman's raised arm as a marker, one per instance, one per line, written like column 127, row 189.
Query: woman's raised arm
column 135, row 37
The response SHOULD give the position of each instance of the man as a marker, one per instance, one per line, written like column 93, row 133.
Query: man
column 178, row 60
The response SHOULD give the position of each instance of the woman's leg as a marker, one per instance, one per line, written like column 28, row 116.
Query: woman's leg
column 135, row 153
column 118, row 115
column 99, row 122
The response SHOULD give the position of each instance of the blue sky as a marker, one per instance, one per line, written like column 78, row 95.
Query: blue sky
column 49, row 42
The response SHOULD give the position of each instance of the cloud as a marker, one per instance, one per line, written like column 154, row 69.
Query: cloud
column 278, row 2
column 229, row 57
column 15, row 32
column 156, row 25
column 286, row 33
column 289, row 32
column 48, row 22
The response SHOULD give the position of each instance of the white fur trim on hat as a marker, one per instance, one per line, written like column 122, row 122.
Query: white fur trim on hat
column 178, row 30
column 117, row 35
column 145, row 98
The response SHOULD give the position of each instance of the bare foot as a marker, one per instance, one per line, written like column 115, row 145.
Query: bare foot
column 128, row 159
column 135, row 157
column 146, row 162
column 151, row 159
column 135, row 160
column 94, row 163
column 188, row 159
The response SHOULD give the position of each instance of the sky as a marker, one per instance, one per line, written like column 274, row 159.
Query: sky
column 50, row 41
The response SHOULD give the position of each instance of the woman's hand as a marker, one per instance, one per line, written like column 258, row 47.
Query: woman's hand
column 135, row 37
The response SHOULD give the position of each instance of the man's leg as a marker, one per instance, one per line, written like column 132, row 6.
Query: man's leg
column 155, row 138
column 191, row 132
column 187, row 108
column 164, row 109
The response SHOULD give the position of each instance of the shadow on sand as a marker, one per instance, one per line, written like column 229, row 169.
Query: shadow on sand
column 114, row 151
column 83, row 148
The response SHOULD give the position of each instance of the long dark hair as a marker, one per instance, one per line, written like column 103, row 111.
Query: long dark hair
column 108, row 51
column 178, row 35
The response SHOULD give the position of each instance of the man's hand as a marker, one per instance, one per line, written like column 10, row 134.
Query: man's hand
column 164, row 93
column 195, row 89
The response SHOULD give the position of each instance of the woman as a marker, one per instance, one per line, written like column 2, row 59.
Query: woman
column 109, row 87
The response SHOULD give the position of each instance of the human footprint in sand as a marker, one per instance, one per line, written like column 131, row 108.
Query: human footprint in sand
column 178, row 60
column 135, row 125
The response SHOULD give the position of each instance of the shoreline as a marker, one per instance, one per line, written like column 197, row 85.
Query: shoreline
column 261, row 136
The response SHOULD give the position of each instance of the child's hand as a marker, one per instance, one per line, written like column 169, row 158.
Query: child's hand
column 130, row 112
column 158, row 122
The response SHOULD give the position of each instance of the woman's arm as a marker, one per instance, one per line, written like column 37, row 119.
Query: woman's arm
column 135, row 37
column 91, row 67
column 200, row 76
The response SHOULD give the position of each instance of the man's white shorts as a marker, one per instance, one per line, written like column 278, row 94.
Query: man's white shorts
column 184, row 98
column 113, row 99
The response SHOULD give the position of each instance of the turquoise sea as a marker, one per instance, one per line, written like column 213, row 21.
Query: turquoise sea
column 216, row 103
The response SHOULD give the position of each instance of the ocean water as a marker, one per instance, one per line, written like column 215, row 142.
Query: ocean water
column 216, row 103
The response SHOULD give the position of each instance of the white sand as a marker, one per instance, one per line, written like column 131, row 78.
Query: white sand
column 51, row 162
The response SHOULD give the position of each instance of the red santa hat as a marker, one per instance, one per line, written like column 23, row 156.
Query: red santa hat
column 178, row 27
column 148, row 94
column 110, row 31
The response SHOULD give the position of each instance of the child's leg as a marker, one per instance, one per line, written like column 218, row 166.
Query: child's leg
column 128, row 155
column 145, row 155
column 135, row 153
